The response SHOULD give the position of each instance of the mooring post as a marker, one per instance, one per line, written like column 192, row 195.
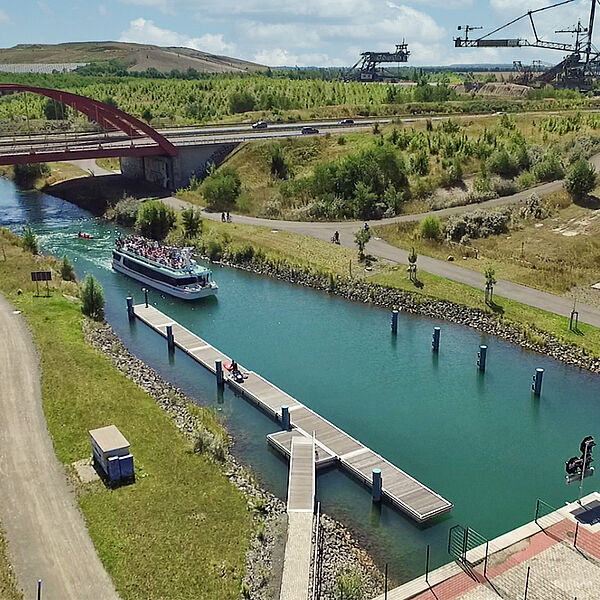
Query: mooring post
column 536, row 386
column 394, row 321
column 481, row 356
column 146, row 296
column 377, row 484
column 130, row 311
column 435, row 343
column 219, row 371
column 39, row 590
column 170, row 338
column 285, row 417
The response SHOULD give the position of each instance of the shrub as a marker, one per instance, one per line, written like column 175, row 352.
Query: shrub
column 581, row 179
column 26, row 175
column 550, row 169
column 279, row 166
column 29, row 240
column 67, row 271
column 221, row 188
column 341, row 140
column 419, row 163
column 504, row 187
column 92, row 299
column 477, row 224
column 502, row 163
column 192, row 222
column 430, row 228
column 242, row 101
column 126, row 211
column 155, row 220
column 349, row 585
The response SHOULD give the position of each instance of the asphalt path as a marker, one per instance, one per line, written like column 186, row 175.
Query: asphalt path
column 46, row 532
column 560, row 305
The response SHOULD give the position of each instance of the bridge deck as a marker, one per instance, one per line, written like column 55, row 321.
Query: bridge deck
column 403, row 491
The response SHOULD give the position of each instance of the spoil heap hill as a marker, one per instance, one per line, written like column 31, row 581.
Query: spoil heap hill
column 137, row 57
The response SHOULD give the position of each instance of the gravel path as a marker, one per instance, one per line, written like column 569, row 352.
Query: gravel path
column 46, row 532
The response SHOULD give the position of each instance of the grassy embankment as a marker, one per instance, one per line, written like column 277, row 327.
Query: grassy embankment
column 440, row 145
column 8, row 584
column 322, row 257
column 554, row 254
column 110, row 164
column 181, row 531
column 58, row 172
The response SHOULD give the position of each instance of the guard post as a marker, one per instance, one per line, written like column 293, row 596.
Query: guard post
column 481, row 356
column 435, row 343
column 394, row 321
column 536, row 386
column 219, row 371
column 377, row 485
column 285, row 417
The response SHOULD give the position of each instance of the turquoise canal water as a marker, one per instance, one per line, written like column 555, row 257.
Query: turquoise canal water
column 482, row 441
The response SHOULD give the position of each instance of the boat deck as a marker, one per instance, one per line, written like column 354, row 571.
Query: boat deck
column 332, row 444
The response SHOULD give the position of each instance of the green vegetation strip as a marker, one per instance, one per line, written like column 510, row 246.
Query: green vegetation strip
column 8, row 584
column 182, row 530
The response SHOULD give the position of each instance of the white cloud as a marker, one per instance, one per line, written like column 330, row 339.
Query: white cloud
column 144, row 31
column 102, row 10
column 279, row 57
column 4, row 18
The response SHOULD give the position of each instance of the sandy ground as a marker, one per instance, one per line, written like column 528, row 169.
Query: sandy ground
column 46, row 532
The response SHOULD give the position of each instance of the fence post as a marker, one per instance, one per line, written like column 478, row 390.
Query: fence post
column 527, row 583
column 576, row 532
column 427, row 566
column 39, row 590
column 487, row 546
column 386, row 583
column 537, row 510
column 465, row 542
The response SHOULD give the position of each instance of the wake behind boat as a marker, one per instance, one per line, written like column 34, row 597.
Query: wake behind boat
column 166, row 268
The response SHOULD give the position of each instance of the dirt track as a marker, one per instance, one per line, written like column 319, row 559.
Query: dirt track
column 46, row 532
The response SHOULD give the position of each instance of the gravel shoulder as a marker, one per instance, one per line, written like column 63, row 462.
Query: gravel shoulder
column 46, row 532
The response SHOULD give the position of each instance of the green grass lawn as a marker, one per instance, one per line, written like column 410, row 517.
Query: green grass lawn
column 8, row 584
column 182, row 530
column 110, row 164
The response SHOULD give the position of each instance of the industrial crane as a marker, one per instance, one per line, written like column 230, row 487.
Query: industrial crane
column 575, row 70
column 369, row 61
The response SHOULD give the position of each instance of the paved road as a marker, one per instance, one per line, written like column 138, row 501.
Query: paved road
column 507, row 289
column 46, row 532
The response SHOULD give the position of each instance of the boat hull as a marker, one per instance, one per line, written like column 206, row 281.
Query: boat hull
column 209, row 290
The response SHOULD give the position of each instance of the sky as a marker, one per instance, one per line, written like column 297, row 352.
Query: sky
column 292, row 32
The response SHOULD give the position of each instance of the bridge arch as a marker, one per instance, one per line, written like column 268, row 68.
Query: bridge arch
column 105, row 115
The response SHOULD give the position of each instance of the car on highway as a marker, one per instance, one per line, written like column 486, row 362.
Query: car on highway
column 347, row 122
column 309, row 130
column 260, row 125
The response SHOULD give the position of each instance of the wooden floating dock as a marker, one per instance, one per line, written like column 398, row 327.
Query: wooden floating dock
column 331, row 443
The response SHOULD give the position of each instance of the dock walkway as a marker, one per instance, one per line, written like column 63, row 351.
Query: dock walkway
column 331, row 443
column 300, row 508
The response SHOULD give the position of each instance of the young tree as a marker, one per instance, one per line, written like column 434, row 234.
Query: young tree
column 412, row 265
column 67, row 271
column 221, row 188
column 581, row 179
column 192, row 222
column 279, row 166
column 430, row 228
column 155, row 220
column 361, row 239
column 29, row 240
column 490, row 281
column 92, row 299
column 27, row 174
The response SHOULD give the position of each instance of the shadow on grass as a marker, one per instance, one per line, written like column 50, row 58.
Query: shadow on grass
column 592, row 202
column 499, row 310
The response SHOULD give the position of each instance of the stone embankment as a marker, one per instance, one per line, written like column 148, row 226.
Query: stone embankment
column 264, row 560
column 358, row 290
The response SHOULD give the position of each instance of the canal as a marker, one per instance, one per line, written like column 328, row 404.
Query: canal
column 482, row 441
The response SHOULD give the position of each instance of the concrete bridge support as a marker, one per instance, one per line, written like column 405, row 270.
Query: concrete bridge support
column 175, row 172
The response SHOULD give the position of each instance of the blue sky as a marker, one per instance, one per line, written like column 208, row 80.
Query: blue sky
column 289, row 32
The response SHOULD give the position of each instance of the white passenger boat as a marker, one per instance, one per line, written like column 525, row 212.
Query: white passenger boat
column 165, row 268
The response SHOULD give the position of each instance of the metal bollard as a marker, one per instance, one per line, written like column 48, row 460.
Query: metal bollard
column 536, row 386
column 219, row 371
column 377, row 485
column 130, row 311
column 481, row 356
column 170, row 338
column 285, row 417
column 39, row 590
column 394, row 321
column 435, row 343
column 146, row 296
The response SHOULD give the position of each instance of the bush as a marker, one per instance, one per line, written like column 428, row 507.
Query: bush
column 155, row 220
column 504, row 187
column 279, row 166
column 581, row 179
column 221, row 188
column 503, row 164
column 477, row 224
column 29, row 240
column 349, row 585
column 419, row 163
column 550, row 169
column 126, row 211
column 67, row 271
column 92, row 299
column 192, row 222
column 430, row 228
column 26, row 175
column 242, row 101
